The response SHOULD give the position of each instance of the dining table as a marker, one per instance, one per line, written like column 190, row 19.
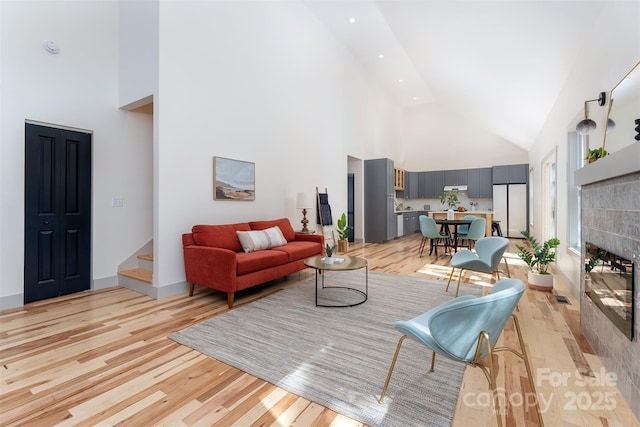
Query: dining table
column 455, row 223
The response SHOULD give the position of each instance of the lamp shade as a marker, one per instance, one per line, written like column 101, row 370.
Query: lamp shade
column 586, row 126
column 611, row 125
column 304, row 201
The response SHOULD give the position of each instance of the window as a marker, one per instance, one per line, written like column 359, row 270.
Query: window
column 531, row 188
column 576, row 146
column 549, row 196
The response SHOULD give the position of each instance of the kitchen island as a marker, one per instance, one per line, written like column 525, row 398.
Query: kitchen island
column 460, row 215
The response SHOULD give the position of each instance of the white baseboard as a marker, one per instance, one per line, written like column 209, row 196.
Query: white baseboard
column 105, row 282
column 11, row 301
column 173, row 289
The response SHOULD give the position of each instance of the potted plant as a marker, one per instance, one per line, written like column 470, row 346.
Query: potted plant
column 343, row 233
column 449, row 198
column 538, row 257
column 328, row 259
column 595, row 154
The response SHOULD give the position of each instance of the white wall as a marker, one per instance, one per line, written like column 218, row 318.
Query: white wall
column 76, row 88
column 138, row 50
column 262, row 82
column 437, row 139
column 609, row 52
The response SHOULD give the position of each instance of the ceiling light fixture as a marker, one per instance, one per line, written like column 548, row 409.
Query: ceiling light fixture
column 381, row 56
column 400, row 80
column 51, row 47
column 352, row 20
column 587, row 125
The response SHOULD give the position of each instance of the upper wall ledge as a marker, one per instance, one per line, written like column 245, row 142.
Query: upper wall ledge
column 620, row 163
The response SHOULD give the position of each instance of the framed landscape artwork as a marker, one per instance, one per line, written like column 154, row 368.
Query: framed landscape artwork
column 233, row 179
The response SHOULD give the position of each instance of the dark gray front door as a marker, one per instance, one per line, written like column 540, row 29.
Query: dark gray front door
column 57, row 252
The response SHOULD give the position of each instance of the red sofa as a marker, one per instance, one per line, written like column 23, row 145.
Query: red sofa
column 213, row 256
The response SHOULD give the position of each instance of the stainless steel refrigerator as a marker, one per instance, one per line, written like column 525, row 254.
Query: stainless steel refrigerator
column 510, row 208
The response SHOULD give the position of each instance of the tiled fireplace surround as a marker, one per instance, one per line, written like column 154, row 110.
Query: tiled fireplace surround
column 611, row 220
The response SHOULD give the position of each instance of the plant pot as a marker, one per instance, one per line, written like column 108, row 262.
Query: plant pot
column 328, row 260
column 451, row 214
column 343, row 246
column 540, row 282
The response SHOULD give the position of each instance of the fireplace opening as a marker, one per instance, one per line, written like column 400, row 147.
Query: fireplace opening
column 610, row 285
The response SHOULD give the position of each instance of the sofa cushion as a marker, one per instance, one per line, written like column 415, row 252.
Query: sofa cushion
column 282, row 223
column 260, row 260
column 257, row 240
column 220, row 236
column 299, row 250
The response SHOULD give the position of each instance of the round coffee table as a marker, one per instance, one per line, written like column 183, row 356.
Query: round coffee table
column 347, row 263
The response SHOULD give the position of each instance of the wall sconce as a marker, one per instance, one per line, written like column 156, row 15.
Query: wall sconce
column 587, row 125
column 304, row 201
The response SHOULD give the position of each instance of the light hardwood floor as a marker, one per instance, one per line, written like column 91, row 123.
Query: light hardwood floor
column 103, row 358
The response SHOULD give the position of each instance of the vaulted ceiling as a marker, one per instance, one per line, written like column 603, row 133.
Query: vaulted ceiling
column 501, row 64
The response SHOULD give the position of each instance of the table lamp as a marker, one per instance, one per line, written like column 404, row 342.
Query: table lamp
column 304, row 201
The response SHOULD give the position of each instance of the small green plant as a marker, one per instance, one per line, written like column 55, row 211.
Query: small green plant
column 590, row 265
column 538, row 256
column 343, row 228
column 595, row 154
column 449, row 198
column 329, row 250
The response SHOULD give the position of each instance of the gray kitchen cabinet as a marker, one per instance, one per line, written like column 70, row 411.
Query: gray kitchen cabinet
column 412, row 178
column 436, row 186
column 455, row 177
column 411, row 222
column 511, row 174
column 423, row 185
column 480, row 183
column 407, row 185
column 379, row 211
column 519, row 174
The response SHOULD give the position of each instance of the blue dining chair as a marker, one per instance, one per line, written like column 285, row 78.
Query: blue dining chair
column 464, row 228
column 477, row 230
column 429, row 230
column 486, row 258
column 466, row 330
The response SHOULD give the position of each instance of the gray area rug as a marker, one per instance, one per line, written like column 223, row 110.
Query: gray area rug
column 339, row 357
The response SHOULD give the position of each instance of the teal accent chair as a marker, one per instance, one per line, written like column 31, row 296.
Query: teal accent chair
column 466, row 330
column 477, row 230
column 486, row 258
column 464, row 228
column 429, row 230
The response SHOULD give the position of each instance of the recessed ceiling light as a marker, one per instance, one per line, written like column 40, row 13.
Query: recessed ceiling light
column 352, row 20
column 381, row 56
column 415, row 98
column 400, row 81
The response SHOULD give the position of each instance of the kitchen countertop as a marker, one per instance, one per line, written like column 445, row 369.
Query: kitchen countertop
column 467, row 211
column 410, row 210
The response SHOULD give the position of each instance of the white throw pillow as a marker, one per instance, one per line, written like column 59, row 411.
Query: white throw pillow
column 257, row 240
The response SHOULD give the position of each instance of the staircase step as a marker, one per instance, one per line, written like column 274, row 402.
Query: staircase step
column 146, row 257
column 138, row 274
